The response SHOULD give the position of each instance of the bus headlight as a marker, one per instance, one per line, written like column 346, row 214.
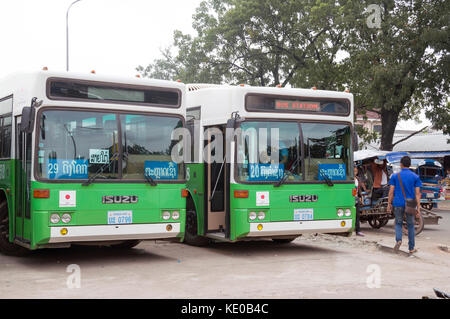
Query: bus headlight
column 54, row 218
column 66, row 218
column 166, row 215
column 252, row 215
column 176, row 215
column 340, row 212
column 348, row 212
column 261, row 215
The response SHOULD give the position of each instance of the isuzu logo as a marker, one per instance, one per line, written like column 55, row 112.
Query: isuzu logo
column 119, row 199
column 303, row 198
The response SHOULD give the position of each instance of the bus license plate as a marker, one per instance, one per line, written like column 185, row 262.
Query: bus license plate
column 120, row 217
column 430, row 195
column 304, row 214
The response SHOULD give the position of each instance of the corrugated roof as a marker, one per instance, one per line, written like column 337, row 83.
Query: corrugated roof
column 432, row 142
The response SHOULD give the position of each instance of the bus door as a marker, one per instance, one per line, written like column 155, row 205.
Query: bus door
column 216, row 172
column 22, row 183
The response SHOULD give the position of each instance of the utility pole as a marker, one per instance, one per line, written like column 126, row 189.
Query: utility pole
column 67, row 34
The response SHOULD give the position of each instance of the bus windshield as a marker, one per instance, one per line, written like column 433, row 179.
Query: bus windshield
column 77, row 145
column 306, row 152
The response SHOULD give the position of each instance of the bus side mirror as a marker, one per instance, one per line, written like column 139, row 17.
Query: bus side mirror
column 27, row 123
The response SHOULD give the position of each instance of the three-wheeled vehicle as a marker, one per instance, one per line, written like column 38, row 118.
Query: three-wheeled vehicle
column 432, row 176
column 374, row 210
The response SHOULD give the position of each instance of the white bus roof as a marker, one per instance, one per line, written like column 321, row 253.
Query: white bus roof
column 24, row 86
column 217, row 102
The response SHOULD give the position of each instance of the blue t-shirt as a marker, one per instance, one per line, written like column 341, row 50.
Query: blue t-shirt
column 410, row 181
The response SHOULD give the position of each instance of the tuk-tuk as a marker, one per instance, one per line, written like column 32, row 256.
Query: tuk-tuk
column 374, row 210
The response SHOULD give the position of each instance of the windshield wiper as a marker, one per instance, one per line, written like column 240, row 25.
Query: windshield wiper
column 326, row 177
column 290, row 171
column 150, row 180
column 100, row 170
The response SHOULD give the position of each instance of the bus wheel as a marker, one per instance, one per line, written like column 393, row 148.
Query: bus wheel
column 283, row 241
column 128, row 244
column 7, row 247
column 191, row 236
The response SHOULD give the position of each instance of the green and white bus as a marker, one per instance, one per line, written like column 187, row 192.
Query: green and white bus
column 309, row 189
column 86, row 159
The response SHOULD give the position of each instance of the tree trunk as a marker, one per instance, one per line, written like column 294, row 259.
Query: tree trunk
column 389, row 119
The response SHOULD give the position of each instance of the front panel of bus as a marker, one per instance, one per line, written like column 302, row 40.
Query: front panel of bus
column 104, row 174
column 293, row 174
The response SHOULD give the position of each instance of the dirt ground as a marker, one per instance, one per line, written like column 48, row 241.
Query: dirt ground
column 321, row 266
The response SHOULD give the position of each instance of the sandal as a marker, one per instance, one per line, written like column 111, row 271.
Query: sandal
column 413, row 251
column 397, row 246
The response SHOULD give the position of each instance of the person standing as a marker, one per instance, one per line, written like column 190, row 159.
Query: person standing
column 411, row 185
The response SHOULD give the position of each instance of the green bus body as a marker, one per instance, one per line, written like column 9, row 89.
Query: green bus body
column 280, row 209
column 35, row 231
column 254, row 195
column 114, row 210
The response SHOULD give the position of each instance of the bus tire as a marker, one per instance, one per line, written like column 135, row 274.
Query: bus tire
column 191, row 236
column 283, row 240
column 6, row 247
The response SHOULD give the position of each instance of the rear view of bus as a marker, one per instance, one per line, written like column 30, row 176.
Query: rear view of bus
column 289, row 171
column 87, row 159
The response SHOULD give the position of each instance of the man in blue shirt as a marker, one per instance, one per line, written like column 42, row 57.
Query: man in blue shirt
column 411, row 184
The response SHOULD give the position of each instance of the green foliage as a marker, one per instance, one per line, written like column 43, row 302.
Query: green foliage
column 397, row 70
column 261, row 43
column 402, row 67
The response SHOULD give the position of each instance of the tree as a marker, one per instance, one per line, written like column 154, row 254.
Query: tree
column 256, row 42
column 395, row 68
column 402, row 66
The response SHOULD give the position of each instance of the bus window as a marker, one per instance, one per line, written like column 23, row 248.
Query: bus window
column 327, row 151
column 75, row 144
column 5, row 137
column 5, row 127
column 256, row 160
column 148, row 145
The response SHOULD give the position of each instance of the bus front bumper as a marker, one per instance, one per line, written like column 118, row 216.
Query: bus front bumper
column 299, row 227
column 113, row 232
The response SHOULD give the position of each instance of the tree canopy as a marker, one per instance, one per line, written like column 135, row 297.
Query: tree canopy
column 395, row 58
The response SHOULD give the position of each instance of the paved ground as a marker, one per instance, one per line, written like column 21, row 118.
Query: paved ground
column 311, row 267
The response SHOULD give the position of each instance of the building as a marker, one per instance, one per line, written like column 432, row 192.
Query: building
column 370, row 121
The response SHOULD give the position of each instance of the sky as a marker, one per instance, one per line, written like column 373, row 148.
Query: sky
column 108, row 36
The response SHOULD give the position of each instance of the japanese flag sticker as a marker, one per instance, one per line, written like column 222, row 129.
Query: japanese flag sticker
column 262, row 198
column 67, row 198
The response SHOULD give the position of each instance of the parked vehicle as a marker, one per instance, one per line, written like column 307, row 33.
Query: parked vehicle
column 375, row 211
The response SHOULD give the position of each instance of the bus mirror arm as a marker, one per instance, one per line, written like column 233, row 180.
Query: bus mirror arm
column 235, row 118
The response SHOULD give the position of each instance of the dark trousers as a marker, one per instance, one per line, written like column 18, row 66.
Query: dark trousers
column 357, row 223
column 378, row 193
